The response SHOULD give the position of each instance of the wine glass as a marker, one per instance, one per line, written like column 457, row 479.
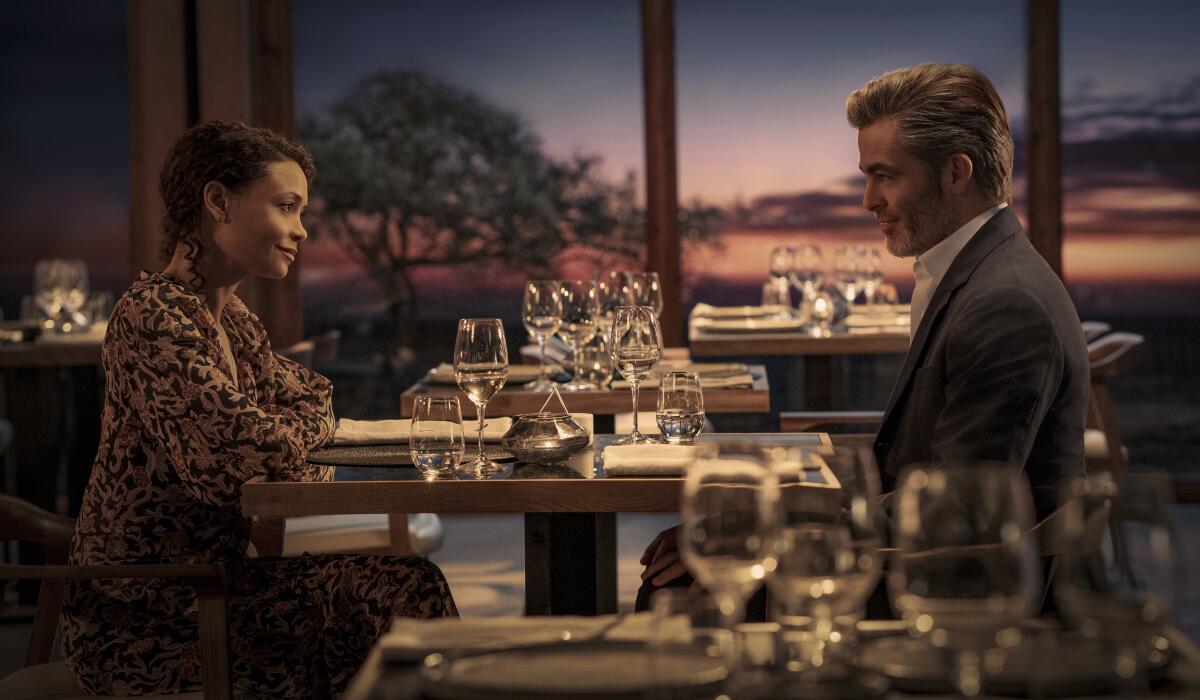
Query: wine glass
column 50, row 287
column 808, row 270
column 872, row 272
column 541, row 312
column 775, row 292
column 781, row 262
column 846, row 272
column 75, row 293
column 613, row 290
column 437, row 443
column 1118, row 575
column 580, row 311
column 646, row 290
column 827, row 551
column 480, row 370
column 729, row 508
column 636, row 346
column 595, row 365
column 967, row 569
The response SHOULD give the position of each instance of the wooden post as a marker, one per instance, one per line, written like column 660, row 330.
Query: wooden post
column 158, row 114
column 1045, row 139
column 662, row 201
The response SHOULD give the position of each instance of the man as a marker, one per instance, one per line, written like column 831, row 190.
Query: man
column 997, row 368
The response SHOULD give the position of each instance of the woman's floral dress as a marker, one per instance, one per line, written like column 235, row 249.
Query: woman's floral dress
column 178, row 441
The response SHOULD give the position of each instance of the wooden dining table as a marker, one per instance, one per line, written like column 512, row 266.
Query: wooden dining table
column 570, row 511
column 603, row 403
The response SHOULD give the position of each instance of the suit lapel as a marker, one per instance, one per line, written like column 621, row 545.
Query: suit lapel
column 998, row 229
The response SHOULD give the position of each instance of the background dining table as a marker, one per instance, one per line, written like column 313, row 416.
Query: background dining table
column 570, row 510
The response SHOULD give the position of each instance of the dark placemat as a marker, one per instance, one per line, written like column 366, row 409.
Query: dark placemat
column 384, row 455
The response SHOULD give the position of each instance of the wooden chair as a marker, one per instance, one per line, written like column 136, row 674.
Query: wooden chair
column 24, row 522
column 1108, row 357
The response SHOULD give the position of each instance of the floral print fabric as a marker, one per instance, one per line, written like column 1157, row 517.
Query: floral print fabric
column 178, row 440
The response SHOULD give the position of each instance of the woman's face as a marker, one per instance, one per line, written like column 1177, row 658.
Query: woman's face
column 262, row 229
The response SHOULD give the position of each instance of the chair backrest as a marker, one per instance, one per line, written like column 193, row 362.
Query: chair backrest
column 1094, row 329
column 301, row 352
column 1108, row 356
column 21, row 521
column 326, row 346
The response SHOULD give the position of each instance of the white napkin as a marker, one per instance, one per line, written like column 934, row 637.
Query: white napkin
column 384, row 432
column 857, row 320
column 411, row 639
column 648, row 460
column 708, row 311
column 735, row 381
column 517, row 374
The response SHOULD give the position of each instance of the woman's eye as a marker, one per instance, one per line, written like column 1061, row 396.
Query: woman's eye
column 288, row 206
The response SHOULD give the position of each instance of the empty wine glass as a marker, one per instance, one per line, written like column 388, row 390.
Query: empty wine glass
column 808, row 270
column 680, row 412
column 636, row 346
column 437, row 442
column 50, row 287
column 541, row 312
column 580, row 314
column 967, row 570
column 646, row 290
column 781, row 262
column 1119, row 572
column 595, row 365
column 480, row 369
column 872, row 272
column 613, row 290
column 75, row 293
column 846, row 275
column 729, row 509
column 827, row 552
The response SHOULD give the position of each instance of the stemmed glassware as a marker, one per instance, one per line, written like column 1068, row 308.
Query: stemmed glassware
column 807, row 273
column 613, row 290
column 729, row 509
column 480, row 370
column 636, row 346
column 871, row 272
column 580, row 314
column 541, row 312
column 1119, row 572
column 60, row 288
column 827, row 551
column 437, row 442
column 782, row 262
column 846, row 272
column 646, row 290
column 968, row 569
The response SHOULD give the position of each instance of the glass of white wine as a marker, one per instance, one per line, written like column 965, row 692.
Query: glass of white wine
column 480, row 369
column 680, row 412
column 437, row 442
column 541, row 312
column 636, row 346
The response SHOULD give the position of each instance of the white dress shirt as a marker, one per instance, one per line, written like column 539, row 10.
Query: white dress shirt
column 930, row 267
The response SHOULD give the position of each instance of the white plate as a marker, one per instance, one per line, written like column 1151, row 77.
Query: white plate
column 749, row 325
column 577, row 670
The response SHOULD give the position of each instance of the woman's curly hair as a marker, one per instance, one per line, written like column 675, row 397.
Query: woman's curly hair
column 227, row 152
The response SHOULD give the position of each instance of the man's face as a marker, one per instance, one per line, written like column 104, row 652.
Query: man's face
column 903, row 195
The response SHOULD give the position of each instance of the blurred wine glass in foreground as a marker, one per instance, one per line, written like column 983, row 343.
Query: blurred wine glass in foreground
column 1119, row 573
column 967, row 570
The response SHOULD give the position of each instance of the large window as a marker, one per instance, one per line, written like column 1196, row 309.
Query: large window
column 1131, row 141
column 762, row 127
column 436, row 123
column 64, row 143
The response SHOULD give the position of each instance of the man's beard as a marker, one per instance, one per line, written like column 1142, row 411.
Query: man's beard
column 929, row 222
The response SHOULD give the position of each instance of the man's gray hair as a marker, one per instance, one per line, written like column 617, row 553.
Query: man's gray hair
column 942, row 109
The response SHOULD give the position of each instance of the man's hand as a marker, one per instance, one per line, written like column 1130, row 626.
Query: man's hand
column 661, row 559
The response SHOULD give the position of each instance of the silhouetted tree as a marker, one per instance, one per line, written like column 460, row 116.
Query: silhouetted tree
column 414, row 172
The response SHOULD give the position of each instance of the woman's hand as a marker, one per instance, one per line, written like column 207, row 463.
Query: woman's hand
column 661, row 559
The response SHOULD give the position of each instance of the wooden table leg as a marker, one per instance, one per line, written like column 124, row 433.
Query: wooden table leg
column 267, row 536
column 570, row 563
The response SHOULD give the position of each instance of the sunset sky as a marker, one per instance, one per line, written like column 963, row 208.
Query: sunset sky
column 761, row 88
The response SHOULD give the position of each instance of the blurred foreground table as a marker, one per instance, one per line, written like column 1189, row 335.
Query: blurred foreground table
column 570, row 512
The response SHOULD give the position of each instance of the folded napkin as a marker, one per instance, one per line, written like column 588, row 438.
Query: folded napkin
column 735, row 381
column 704, row 369
column 709, row 311
column 410, row 640
column 517, row 374
column 857, row 320
column 648, row 460
column 384, row 432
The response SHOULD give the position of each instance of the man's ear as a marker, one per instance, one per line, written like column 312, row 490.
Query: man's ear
column 957, row 173
column 217, row 200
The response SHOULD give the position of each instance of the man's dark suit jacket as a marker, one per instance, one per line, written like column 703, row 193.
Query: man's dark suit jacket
column 997, row 369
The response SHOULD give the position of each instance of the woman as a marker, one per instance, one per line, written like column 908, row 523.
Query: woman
column 195, row 404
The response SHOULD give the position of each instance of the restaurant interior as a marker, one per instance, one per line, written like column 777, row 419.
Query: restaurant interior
column 602, row 298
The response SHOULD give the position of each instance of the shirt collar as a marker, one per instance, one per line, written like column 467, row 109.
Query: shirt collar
column 935, row 262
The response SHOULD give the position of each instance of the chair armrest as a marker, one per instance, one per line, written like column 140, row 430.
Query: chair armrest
column 806, row 421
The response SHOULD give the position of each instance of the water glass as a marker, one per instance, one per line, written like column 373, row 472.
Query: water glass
column 967, row 570
column 680, row 413
column 595, row 366
column 437, row 442
column 1119, row 567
